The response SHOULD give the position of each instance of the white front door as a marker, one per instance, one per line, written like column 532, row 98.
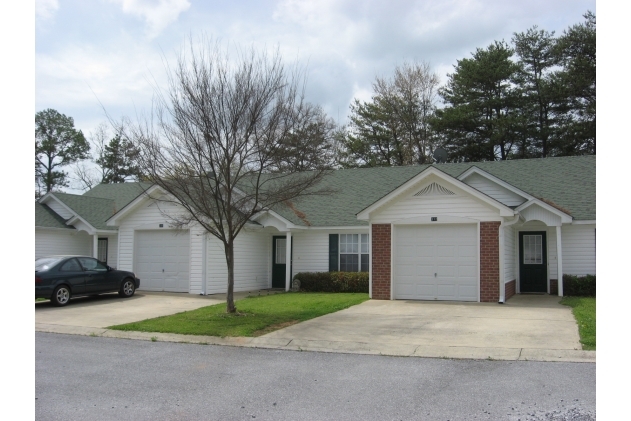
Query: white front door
column 162, row 260
column 436, row 262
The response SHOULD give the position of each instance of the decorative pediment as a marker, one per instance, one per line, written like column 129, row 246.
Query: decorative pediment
column 434, row 189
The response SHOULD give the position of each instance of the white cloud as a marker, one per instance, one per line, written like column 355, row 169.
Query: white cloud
column 158, row 14
column 45, row 9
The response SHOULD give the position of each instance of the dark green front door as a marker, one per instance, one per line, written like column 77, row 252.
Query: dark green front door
column 279, row 264
column 533, row 262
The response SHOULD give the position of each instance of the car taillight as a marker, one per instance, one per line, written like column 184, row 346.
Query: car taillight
column 38, row 280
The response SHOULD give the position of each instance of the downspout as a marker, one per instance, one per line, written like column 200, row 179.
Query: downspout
column 502, row 284
column 204, row 262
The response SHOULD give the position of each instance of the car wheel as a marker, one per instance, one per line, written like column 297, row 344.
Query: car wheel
column 127, row 288
column 61, row 296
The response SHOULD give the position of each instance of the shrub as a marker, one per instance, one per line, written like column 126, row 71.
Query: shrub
column 579, row 286
column 333, row 281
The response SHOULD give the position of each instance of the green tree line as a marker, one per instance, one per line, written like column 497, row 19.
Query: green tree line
column 534, row 97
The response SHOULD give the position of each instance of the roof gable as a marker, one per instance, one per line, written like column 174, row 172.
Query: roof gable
column 45, row 217
column 435, row 188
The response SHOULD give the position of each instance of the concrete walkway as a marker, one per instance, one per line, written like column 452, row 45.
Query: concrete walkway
column 527, row 327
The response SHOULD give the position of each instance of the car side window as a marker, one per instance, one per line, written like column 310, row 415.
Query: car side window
column 71, row 266
column 92, row 264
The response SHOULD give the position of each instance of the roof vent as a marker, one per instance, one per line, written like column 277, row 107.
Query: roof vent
column 434, row 190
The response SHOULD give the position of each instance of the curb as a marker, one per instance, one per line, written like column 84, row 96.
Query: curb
column 398, row 350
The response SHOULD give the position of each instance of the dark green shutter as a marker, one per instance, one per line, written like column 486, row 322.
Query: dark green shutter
column 333, row 252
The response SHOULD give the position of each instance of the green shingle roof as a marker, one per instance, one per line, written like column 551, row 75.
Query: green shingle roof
column 93, row 209
column 567, row 182
column 95, row 206
column 46, row 217
column 120, row 193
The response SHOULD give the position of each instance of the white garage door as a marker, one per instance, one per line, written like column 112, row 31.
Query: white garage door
column 436, row 262
column 162, row 260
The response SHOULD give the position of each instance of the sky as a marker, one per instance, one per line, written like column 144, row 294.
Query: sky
column 108, row 56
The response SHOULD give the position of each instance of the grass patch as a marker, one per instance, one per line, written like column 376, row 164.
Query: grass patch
column 584, row 309
column 255, row 315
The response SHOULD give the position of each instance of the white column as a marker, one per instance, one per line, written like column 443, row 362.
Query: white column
column 95, row 246
column 502, row 285
column 559, row 262
column 288, row 261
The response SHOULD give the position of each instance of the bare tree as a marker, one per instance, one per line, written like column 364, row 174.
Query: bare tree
column 411, row 95
column 393, row 128
column 114, row 160
column 216, row 136
column 87, row 176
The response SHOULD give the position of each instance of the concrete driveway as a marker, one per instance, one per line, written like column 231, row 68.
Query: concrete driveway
column 526, row 327
column 93, row 314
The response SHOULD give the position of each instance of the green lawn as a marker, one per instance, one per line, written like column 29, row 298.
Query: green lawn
column 255, row 315
column 584, row 309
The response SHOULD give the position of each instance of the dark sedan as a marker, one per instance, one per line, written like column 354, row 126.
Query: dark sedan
column 60, row 277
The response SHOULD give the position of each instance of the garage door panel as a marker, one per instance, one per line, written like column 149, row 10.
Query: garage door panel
column 162, row 260
column 424, row 291
column 468, row 293
column 449, row 251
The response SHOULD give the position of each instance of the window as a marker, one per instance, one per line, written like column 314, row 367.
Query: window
column 92, row 264
column 71, row 266
column 281, row 251
column 102, row 250
column 533, row 250
column 354, row 252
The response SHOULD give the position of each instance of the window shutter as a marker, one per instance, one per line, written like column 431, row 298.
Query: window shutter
column 333, row 252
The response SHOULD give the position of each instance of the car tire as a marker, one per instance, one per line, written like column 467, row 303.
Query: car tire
column 61, row 296
column 128, row 288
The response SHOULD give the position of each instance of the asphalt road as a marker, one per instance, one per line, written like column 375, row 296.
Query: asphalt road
column 95, row 378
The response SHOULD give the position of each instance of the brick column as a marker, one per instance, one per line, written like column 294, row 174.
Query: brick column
column 381, row 261
column 489, row 262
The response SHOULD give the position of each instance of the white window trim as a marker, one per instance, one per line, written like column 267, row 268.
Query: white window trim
column 359, row 250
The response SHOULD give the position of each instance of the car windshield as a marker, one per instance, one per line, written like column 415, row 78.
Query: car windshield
column 46, row 263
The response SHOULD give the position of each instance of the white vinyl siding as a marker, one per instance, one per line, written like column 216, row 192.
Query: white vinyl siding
column 311, row 251
column 494, row 190
column 52, row 242
column 461, row 205
column 252, row 263
column 537, row 213
column 509, row 254
column 59, row 209
column 579, row 249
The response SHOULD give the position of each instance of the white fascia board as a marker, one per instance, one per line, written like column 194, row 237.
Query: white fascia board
column 364, row 215
column 339, row 228
column 269, row 212
column 133, row 205
column 72, row 220
column 565, row 218
column 68, row 230
column 106, row 232
column 491, row 177
column 584, row 222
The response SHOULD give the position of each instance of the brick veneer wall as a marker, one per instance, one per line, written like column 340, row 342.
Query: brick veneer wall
column 510, row 289
column 554, row 287
column 381, row 261
column 489, row 262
